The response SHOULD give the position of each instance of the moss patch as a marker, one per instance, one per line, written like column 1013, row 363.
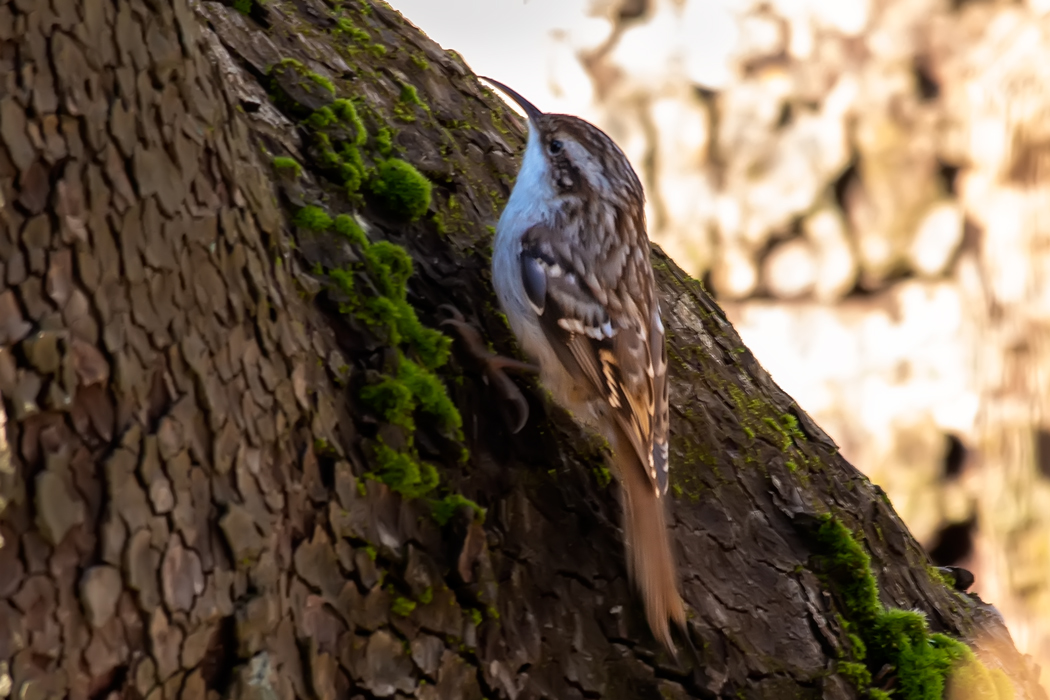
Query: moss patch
column 285, row 164
column 401, row 189
column 413, row 388
column 924, row 663
column 402, row 606
column 385, row 141
column 312, row 218
column 443, row 509
column 405, row 108
column 338, row 134
column 374, row 291
column 289, row 72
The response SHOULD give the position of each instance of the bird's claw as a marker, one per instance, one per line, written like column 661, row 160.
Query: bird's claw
column 513, row 405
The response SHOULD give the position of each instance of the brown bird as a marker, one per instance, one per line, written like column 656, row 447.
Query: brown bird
column 572, row 272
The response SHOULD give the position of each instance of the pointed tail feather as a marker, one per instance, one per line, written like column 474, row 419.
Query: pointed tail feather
column 650, row 561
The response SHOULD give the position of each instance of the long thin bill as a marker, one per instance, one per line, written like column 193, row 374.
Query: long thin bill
column 530, row 109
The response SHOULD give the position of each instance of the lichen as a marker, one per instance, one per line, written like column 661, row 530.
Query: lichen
column 400, row 189
column 923, row 662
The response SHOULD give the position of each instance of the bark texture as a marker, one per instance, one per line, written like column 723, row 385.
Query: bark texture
column 183, row 458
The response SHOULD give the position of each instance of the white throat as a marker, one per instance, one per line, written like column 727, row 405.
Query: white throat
column 533, row 194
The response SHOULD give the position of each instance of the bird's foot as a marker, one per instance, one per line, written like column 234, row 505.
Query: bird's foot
column 513, row 406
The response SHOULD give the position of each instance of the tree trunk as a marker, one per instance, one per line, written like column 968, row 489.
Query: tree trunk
column 217, row 472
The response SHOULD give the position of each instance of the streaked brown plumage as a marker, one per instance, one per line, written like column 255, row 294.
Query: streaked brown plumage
column 572, row 271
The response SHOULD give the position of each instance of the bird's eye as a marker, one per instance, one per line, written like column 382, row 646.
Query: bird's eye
column 555, row 147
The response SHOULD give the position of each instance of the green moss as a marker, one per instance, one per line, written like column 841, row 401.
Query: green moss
column 940, row 576
column 284, row 163
column 346, row 226
column 475, row 616
column 374, row 291
column 345, row 111
column 401, row 189
column 321, row 118
column 243, row 6
column 419, row 61
column 393, row 401
column 312, row 218
column 496, row 117
column 357, row 34
column 398, row 397
column 341, row 160
column 442, row 510
column 410, row 95
column 451, row 218
column 388, row 268
column 403, row 472
column 409, row 100
column 602, row 475
column 371, row 552
column 856, row 673
column 923, row 661
column 322, row 81
column 384, row 141
column 307, row 79
column 430, row 394
column 402, row 606
column 426, row 596
column 351, row 169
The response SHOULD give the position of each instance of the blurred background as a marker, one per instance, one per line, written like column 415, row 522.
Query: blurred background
column 865, row 187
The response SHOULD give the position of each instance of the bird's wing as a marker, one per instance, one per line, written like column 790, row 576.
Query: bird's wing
column 608, row 331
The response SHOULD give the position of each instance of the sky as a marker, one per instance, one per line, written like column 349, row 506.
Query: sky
column 509, row 40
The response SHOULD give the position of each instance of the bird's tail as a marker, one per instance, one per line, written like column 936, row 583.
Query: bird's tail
column 650, row 562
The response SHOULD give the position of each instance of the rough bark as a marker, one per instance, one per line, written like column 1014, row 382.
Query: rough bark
column 183, row 469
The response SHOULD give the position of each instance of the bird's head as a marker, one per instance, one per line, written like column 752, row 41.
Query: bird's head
column 569, row 158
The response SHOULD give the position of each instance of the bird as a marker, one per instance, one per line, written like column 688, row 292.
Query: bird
column 572, row 274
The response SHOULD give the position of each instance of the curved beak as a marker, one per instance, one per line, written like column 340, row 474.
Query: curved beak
column 530, row 109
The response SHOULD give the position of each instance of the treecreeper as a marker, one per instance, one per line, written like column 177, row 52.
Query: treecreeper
column 572, row 272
